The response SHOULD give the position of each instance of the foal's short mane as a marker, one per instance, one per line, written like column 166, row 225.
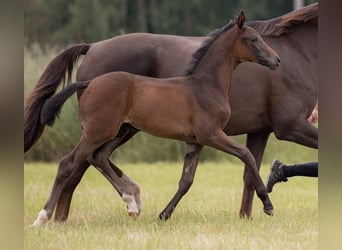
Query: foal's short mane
column 199, row 53
column 285, row 24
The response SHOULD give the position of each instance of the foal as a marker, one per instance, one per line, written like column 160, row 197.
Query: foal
column 193, row 108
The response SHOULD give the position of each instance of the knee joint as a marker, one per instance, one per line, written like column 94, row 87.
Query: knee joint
column 95, row 159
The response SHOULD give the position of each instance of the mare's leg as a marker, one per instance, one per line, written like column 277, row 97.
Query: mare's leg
column 63, row 205
column 192, row 154
column 64, row 201
column 256, row 143
column 221, row 141
column 66, row 166
column 300, row 131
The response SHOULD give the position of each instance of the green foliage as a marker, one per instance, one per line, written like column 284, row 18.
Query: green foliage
column 206, row 218
column 61, row 22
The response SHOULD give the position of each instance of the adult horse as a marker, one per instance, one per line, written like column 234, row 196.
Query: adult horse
column 262, row 101
column 196, row 112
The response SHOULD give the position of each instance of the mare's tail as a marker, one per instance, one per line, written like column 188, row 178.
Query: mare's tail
column 52, row 107
column 52, row 77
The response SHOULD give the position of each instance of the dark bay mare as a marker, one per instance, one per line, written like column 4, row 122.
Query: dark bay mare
column 196, row 112
column 262, row 101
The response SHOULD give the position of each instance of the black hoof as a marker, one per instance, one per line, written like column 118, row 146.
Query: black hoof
column 164, row 216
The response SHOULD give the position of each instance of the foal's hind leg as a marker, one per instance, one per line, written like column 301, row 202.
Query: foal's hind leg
column 192, row 155
column 221, row 141
column 65, row 169
column 125, row 133
column 130, row 189
column 124, row 185
column 256, row 143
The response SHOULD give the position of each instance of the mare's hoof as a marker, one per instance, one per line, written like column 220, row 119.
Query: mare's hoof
column 41, row 219
column 244, row 215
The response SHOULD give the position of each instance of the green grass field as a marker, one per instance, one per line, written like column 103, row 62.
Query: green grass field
column 206, row 218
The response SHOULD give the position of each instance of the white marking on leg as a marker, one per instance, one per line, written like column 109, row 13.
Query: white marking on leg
column 133, row 210
column 133, row 187
column 41, row 219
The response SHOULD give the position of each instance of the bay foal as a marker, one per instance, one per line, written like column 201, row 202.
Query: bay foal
column 193, row 108
column 278, row 101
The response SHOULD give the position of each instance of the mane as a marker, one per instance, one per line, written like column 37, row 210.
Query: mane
column 199, row 53
column 273, row 27
column 285, row 24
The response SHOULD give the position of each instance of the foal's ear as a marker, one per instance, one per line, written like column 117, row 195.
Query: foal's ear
column 241, row 19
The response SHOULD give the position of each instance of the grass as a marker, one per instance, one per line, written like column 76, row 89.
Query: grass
column 206, row 218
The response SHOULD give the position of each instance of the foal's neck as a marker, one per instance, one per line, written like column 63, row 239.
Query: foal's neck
column 216, row 67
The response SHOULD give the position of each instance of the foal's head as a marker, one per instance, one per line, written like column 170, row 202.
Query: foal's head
column 251, row 47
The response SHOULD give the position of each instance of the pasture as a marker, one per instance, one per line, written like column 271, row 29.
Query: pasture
column 206, row 218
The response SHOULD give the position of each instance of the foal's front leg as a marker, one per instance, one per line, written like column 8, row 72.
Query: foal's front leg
column 221, row 141
column 192, row 154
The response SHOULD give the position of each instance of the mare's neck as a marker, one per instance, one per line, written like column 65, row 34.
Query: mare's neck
column 306, row 39
column 216, row 67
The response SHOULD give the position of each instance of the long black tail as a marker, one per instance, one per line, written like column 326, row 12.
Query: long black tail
column 52, row 107
column 52, row 77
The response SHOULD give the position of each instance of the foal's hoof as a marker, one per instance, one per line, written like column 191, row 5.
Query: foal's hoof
column 133, row 215
column 269, row 211
column 164, row 216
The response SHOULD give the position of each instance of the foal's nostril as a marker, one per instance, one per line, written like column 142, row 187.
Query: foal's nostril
column 278, row 59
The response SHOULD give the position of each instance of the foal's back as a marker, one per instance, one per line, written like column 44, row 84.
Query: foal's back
column 161, row 107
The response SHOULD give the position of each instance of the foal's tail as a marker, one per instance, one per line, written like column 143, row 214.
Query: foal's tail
column 52, row 107
column 52, row 77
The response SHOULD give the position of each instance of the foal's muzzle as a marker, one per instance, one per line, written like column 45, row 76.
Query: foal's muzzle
column 272, row 63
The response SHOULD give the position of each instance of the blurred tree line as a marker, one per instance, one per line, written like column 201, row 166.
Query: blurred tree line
column 62, row 22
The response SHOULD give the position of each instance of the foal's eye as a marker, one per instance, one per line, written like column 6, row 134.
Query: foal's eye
column 254, row 39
